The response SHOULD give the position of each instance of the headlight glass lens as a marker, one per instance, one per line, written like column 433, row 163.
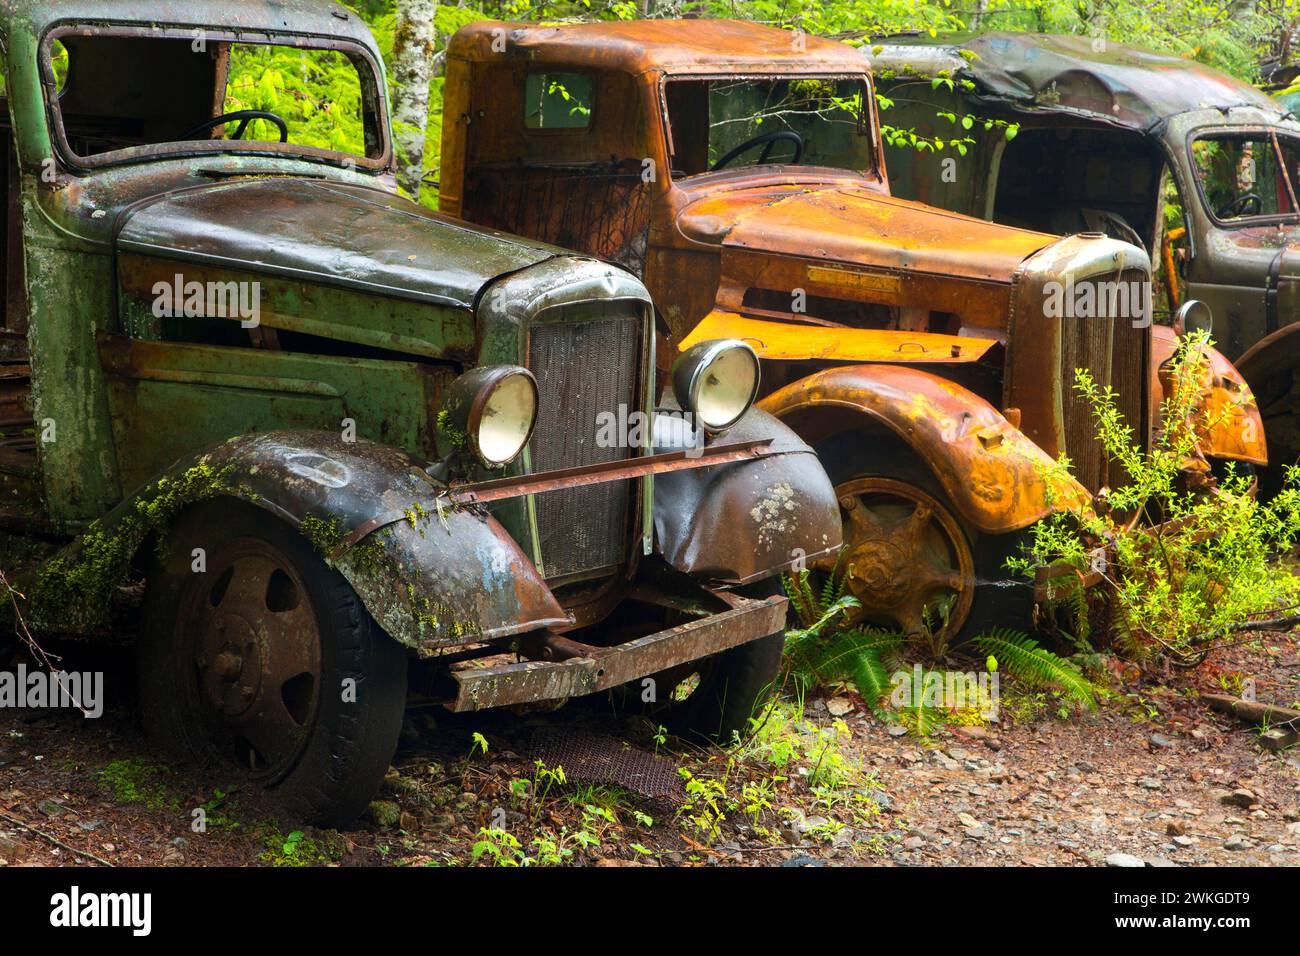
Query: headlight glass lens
column 717, row 382
column 506, row 419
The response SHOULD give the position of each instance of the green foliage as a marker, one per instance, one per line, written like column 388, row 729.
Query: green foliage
column 822, row 652
column 297, row 848
column 1021, row 657
column 135, row 781
column 1183, row 565
column 74, row 589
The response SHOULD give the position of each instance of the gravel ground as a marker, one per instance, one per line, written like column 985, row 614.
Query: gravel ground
column 1153, row 778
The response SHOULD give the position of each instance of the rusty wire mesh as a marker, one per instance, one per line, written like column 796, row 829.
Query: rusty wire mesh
column 589, row 757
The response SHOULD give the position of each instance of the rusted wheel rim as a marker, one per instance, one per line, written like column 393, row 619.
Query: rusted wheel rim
column 252, row 643
column 904, row 558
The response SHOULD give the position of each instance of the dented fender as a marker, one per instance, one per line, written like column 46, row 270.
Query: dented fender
column 430, row 579
column 1236, row 427
column 997, row 478
column 744, row 521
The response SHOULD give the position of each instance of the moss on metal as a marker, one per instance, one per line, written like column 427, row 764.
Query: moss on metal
column 74, row 589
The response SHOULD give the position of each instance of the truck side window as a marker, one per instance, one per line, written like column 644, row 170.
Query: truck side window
column 557, row 101
column 1241, row 177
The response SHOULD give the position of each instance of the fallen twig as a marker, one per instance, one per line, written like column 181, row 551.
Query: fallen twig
column 57, row 842
column 39, row 654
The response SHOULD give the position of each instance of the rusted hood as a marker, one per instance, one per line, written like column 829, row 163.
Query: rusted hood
column 859, row 227
column 328, row 233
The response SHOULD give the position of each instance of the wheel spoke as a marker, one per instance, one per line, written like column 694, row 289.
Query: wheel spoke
column 903, row 554
column 862, row 522
column 290, row 646
column 248, row 585
column 915, row 528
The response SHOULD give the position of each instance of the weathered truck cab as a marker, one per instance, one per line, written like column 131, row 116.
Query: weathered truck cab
column 739, row 170
column 1192, row 165
column 356, row 450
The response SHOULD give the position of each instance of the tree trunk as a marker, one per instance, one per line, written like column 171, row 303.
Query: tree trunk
column 412, row 72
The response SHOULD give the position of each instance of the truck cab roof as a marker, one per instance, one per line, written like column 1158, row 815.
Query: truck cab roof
column 1125, row 86
column 708, row 46
column 315, row 17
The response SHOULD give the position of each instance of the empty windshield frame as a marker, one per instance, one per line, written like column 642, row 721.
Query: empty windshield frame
column 369, row 73
column 867, row 120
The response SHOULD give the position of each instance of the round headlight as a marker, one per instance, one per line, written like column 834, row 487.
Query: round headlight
column 1193, row 316
column 716, row 381
column 491, row 410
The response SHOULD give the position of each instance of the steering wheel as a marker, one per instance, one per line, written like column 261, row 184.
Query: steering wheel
column 245, row 117
column 1238, row 207
column 767, row 141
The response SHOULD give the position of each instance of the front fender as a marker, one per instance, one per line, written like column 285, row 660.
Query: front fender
column 1236, row 428
column 429, row 579
column 997, row 479
column 741, row 522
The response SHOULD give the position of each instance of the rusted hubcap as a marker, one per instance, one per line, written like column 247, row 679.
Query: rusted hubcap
column 254, row 644
column 905, row 558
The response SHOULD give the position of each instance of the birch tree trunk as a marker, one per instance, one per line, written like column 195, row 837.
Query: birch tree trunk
column 412, row 72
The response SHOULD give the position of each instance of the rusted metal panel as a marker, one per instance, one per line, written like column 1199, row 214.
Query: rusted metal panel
column 634, row 47
column 529, row 681
column 1046, row 350
column 867, row 234
column 313, row 17
column 1229, row 425
column 170, row 399
column 784, row 341
column 779, row 511
column 997, row 478
column 327, row 233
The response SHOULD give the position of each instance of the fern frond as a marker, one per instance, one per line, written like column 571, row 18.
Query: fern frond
column 801, row 598
column 850, row 655
column 920, row 721
column 1130, row 645
column 833, row 586
column 842, row 606
column 1022, row 658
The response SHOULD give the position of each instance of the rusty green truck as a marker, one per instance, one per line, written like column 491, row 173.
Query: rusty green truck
column 355, row 450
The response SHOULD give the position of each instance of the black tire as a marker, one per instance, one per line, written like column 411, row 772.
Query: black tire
column 338, row 754
column 999, row 599
column 731, row 687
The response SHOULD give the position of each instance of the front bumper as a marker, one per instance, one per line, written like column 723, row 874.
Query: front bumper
column 592, row 669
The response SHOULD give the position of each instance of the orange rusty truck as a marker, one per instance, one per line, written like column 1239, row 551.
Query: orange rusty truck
column 928, row 356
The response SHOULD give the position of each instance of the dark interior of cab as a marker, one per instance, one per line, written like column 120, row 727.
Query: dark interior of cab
column 1070, row 180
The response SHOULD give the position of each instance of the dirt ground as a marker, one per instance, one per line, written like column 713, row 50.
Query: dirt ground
column 1152, row 778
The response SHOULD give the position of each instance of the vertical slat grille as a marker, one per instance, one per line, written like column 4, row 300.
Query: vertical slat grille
column 585, row 359
column 1115, row 352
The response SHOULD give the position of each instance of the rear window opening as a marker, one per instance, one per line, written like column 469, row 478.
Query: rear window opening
column 117, row 94
column 557, row 101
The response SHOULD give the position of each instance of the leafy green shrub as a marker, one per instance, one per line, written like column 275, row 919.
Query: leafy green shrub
column 1183, row 564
